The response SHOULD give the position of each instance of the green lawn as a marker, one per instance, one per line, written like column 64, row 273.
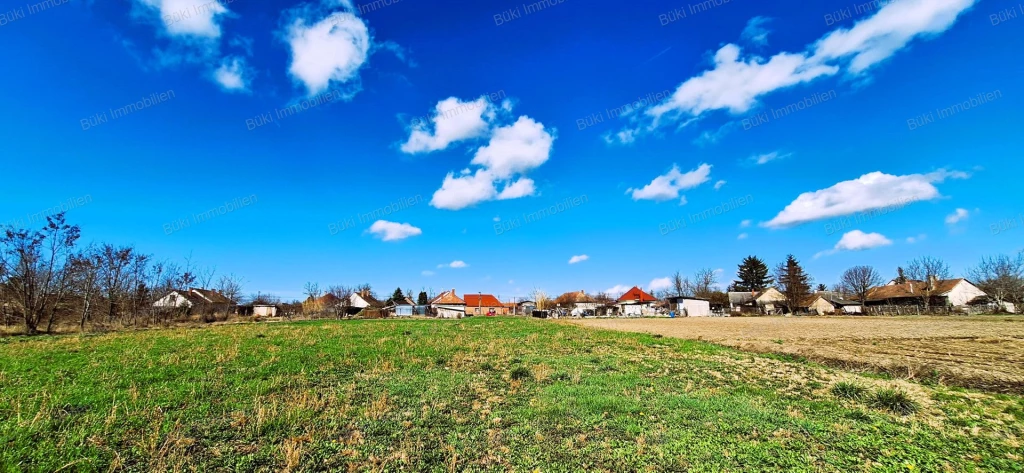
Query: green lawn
column 496, row 394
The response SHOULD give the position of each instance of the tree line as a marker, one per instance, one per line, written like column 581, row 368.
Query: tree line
column 48, row 277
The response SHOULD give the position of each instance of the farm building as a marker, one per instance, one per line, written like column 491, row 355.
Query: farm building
column 689, row 306
column 815, row 304
column 447, row 305
column 941, row 293
column 484, row 304
column 763, row 302
column 264, row 310
column 840, row 304
column 525, row 307
column 635, row 302
column 403, row 308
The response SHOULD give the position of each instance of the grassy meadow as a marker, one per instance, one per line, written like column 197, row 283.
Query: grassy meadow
column 481, row 394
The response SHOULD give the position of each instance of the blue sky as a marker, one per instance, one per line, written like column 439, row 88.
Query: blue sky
column 474, row 113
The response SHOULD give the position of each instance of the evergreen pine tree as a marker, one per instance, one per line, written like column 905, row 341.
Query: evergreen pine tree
column 793, row 282
column 753, row 275
column 422, row 299
column 397, row 296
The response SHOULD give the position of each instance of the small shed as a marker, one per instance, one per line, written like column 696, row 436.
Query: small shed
column 264, row 310
column 690, row 306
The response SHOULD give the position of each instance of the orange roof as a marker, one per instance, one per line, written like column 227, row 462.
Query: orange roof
column 911, row 289
column 635, row 294
column 482, row 300
column 447, row 297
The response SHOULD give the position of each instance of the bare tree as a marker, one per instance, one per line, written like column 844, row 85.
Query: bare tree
column 344, row 295
column 858, row 280
column 113, row 264
column 231, row 287
column 929, row 270
column 36, row 266
column 540, row 297
column 704, row 282
column 680, row 284
column 1001, row 277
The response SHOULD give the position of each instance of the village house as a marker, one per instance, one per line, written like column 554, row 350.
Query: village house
column 841, row 305
column 484, row 304
column 635, row 303
column 448, row 305
column 769, row 301
column 205, row 300
column 578, row 304
column 940, row 293
column 363, row 300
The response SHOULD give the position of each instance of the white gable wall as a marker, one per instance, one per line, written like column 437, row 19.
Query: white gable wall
column 963, row 293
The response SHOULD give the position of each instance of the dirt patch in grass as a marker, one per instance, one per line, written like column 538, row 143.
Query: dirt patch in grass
column 979, row 352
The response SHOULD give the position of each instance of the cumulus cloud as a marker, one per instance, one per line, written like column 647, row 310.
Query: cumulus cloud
column 957, row 216
column 452, row 121
column 669, row 185
column 232, row 75
column 578, row 259
column 393, row 231
column 769, row 157
column 660, row 284
column 719, row 185
column 331, row 49
column 194, row 18
column 857, row 240
column 511, row 152
column 871, row 191
column 736, row 82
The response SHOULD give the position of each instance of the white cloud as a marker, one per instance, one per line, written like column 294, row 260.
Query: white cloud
column 232, row 75
column 719, row 185
column 617, row 290
column 194, row 18
column 857, row 240
column 736, row 82
column 767, row 158
column 919, row 238
column 660, row 284
column 755, row 32
column 742, row 236
column 393, row 231
column 745, row 223
column 455, row 264
column 578, row 259
column 452, row 121
column 428, row 273
column 331, row 50
column 512, row 151
column 957, row 216
column 871, row 191
column 875, row 39
column 668, row 186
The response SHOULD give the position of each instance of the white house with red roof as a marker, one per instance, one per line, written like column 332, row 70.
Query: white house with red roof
column 635, row 302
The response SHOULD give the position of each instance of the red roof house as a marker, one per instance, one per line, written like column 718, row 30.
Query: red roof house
column 484, row 304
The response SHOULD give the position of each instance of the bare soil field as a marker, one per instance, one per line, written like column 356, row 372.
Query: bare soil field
column 984, row 352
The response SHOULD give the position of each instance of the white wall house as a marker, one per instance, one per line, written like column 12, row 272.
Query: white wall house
column 691, row 307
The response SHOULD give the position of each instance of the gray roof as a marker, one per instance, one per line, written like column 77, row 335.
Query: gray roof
column 741, row 297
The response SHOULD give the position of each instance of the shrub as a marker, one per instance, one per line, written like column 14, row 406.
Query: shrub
column 849, row 390
column 895, row 401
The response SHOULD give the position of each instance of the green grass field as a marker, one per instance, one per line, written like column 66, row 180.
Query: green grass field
column 497, row 394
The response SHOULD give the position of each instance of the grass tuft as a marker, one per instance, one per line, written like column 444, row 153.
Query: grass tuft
column 895, row 401
column 849, row 390
column 520, row 372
